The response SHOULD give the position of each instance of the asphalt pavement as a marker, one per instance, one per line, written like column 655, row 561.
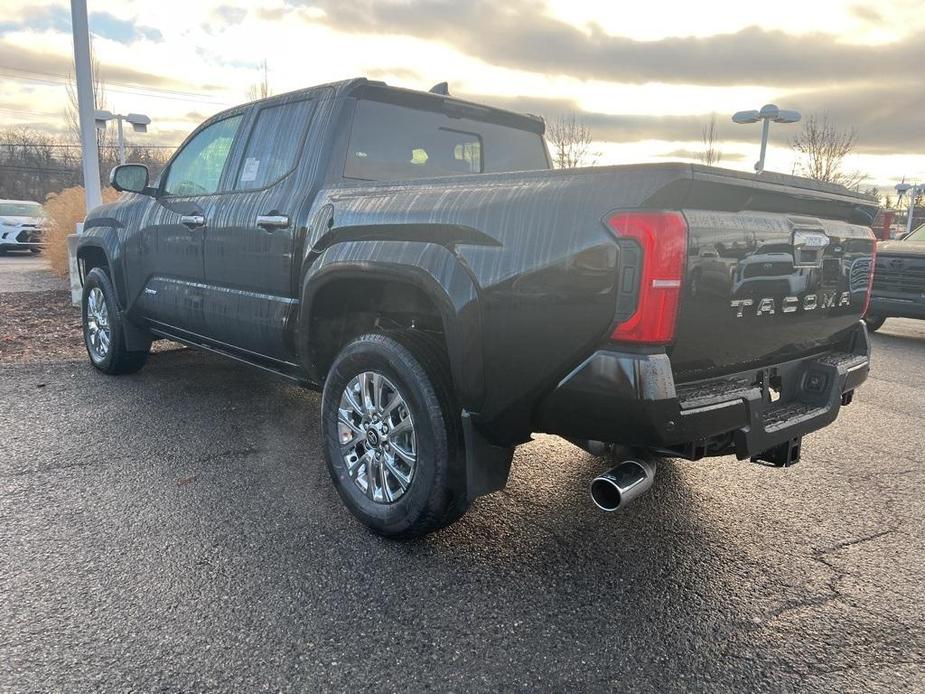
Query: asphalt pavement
column 176, row 531
column 26, row 272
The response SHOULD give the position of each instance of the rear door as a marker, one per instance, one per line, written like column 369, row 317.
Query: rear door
column 250, row 242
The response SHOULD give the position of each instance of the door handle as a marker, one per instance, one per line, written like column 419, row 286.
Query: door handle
column 272, row 221
column 193, row 221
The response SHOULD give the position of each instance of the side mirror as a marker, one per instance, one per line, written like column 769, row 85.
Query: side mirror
column 132, row 178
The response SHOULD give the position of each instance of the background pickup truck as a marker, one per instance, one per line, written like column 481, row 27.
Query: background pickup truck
column 412, row 255
column 899, row 282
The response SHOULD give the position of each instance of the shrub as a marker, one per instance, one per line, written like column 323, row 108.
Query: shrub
column 65, row 210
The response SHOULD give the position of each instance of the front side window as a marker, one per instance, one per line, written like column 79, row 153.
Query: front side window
column 917, row 235
column 392, row 142
column 197, row 169
column 274, row 144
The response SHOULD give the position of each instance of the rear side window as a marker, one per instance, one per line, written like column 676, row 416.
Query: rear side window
column 391, row 142
column 197, row 169
column 274, row 144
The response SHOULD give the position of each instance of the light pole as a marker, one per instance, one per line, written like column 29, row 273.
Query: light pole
column 83, row 76
column 768, row 113
column 913, row 190
column 139, row 121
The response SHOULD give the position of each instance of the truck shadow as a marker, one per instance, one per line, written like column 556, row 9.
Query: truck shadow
column 533, row 577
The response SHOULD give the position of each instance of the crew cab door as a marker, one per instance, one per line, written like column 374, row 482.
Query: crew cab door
column 252, row 234
column 165, row 256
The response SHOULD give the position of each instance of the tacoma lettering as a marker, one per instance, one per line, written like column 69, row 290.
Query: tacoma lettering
column 767, row 306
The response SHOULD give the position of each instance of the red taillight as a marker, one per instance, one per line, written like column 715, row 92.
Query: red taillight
column 662, row 237
column 870, row 276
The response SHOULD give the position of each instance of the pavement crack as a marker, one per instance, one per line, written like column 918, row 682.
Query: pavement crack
column 819, row 553
column 834, row 586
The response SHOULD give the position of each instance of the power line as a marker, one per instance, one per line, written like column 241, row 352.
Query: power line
column 54, row 79
column 66, row 145
column 39, row 169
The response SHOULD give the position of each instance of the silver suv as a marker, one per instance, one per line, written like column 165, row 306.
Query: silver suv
column 21, row 226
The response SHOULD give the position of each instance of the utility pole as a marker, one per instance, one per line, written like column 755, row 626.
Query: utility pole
column 86, row 103
column 913, row 191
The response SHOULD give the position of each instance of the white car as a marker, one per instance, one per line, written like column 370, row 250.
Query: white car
column 21, row 226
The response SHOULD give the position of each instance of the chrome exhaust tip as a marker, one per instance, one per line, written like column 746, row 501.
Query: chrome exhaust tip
column 619, row 486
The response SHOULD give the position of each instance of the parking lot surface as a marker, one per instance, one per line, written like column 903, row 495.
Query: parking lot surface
column 176, row 530
column 25, row 272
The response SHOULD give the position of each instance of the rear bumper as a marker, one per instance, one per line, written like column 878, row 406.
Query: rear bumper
column 631, row 398
column 891, row 307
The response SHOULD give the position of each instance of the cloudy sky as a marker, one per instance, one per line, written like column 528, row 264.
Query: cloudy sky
column 644, row 75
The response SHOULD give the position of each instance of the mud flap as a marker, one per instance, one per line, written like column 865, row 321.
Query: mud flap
column 487, row 465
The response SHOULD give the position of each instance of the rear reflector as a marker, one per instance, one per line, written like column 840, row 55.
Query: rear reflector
column 662, row 236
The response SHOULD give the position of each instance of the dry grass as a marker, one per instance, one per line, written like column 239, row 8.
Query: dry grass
column 65, row 210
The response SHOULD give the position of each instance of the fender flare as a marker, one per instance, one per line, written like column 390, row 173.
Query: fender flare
column 430, row 268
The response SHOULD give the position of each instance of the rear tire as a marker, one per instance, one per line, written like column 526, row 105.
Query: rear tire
column 35, row 251
column 103, row 328
column 402, row 502
column 874, row 323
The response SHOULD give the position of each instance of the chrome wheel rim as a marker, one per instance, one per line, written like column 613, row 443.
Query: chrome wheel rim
column 98, row 331
column 376, row 434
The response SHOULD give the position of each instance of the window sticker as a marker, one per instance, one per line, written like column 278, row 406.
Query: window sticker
column 249, row 173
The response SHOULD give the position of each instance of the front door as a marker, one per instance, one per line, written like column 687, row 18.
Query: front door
column 167, row 251
column 251, row 238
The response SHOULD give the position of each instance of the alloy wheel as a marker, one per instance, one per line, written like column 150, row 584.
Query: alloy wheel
column 98, row 330
column 377, row 437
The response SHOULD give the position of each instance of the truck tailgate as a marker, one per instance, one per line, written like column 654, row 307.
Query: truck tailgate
column 775, row 270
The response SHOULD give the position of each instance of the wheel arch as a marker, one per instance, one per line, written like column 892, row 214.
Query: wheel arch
column 398, row 277
column 94, row 252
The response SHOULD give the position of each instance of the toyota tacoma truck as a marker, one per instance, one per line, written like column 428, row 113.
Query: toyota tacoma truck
column 414, row 257
column 899, row 282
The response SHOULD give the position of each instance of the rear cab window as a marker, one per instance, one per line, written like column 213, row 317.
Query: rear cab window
column 390, row 141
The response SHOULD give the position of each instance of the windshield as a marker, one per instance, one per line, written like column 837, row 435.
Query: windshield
column 20, row 209
column 917, row 235
column 392, row 142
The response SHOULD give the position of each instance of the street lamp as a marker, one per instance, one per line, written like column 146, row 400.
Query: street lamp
column 139, row 121
column 768, row 113
column 913, row 191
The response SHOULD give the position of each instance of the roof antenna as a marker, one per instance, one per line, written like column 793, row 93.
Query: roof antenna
column 442, row 88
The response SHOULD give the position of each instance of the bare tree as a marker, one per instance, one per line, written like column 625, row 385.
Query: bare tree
column 261, row 89
column 571, row 141
column 99, row 100
column 711, row 153
column 34, row 164
column 823, row 146
column 874, row 192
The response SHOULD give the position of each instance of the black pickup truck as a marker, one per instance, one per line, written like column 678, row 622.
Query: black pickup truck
column 899, row 281
column 412, row 255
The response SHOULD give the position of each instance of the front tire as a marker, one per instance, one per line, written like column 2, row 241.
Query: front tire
column 874, row 323
column 392, row 439
column 103, row 328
